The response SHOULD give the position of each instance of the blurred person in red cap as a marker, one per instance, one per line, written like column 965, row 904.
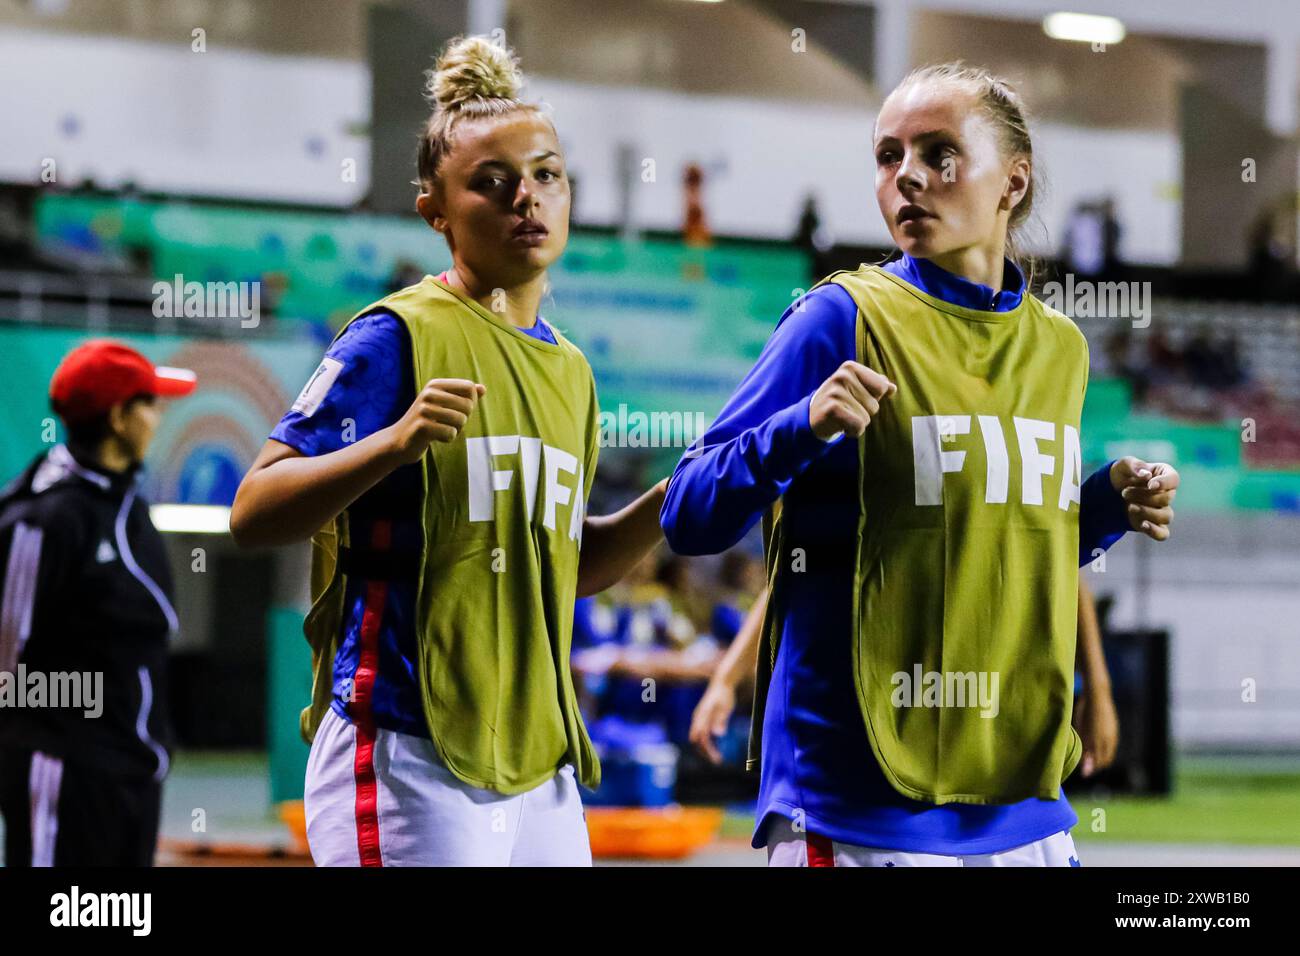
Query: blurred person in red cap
column 85, row 617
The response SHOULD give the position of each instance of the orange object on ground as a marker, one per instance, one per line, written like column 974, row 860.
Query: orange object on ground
column 295, row 818
column 658, row 833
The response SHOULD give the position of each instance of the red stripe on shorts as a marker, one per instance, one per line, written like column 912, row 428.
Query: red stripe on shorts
column 821, row 851
column 363, row 686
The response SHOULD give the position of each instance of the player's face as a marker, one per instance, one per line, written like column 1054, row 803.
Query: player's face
column 942, row 182
column 503, row 196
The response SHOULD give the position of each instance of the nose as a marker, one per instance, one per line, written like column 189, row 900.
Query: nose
column 525, row 201
column 908, row 179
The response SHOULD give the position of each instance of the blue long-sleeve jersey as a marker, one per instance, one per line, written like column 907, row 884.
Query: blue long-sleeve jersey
column 817, row 763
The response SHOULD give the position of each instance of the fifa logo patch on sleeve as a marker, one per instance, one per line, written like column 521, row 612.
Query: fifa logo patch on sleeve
column 317, row 387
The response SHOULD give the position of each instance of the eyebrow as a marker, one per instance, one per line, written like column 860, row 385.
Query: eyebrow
column 928, row 134
column 535, row 158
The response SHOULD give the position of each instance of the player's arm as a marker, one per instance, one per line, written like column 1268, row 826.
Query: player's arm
column 783, row 416
column 719, row 701
column 352, row 425
column 1095, row 717
column 661, row 664
column 287, row 496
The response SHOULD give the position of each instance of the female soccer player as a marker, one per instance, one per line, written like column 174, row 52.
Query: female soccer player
column 447, row 518
column 919, row 424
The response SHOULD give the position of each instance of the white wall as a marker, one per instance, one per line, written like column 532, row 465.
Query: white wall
column 238, row 123
column 1228, row 589
column 225, row 122
column 772, row 154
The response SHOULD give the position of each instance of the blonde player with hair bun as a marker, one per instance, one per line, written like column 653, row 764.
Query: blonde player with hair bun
column 440, row 459
column 918, row 422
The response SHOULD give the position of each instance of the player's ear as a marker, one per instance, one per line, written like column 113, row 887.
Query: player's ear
column 429, row 207
column 117, row 416
column 1018, row 179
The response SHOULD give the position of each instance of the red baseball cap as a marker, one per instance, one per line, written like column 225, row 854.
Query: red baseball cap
column 99, row 374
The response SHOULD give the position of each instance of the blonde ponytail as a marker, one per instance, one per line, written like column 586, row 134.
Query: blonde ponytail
column 473, row 78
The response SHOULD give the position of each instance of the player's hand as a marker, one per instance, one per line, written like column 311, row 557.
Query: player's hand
column 1098, row 726
column 847, row 401
column 711, row 717
column 1149, row 491
column 438, row 413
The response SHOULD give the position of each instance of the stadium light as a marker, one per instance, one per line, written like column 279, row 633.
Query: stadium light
column 191, row 519
column 1083, row 28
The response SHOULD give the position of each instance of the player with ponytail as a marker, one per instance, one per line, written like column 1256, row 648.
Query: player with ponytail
column 917, row 424
column 440, row 459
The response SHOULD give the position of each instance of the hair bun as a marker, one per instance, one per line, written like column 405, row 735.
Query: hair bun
column 473, row 68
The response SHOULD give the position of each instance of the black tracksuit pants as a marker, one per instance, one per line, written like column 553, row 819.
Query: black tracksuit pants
column 58, row 813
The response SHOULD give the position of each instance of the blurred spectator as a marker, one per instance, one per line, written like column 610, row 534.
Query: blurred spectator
column 16, row 246
column 1112, row 266
column 1164, row 362
column 1272, row 242
column 1214, row 364
column 695, row 227
column 814, row 239
column 1233, row 370
column 1206, row 377
column 274, row 285
column 691, row 602
column 1092, row 236
column 405, row 273
column 715, row 718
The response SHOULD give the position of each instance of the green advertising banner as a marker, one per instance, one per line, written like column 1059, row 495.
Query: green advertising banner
column 669, row 330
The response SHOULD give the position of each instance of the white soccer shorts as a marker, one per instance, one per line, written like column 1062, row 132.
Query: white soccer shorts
column 391, row 802
column 786, row 847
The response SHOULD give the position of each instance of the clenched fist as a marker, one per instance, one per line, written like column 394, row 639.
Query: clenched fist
column 438, row 413
column 847, row 401
column 1149, row 490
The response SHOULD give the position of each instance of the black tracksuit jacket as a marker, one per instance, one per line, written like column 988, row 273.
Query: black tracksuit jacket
column 86, row 588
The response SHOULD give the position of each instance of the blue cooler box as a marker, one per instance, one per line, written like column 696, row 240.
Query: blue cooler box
column 638, row 765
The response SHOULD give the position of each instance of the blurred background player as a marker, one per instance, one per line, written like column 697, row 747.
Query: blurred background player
column 712, row 715
column 87, row 596
column 446, row 731
column 657, row 626
column 1095, row 716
